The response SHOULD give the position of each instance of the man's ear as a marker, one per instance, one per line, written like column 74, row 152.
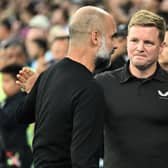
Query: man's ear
column 95, row 37
column 162, row 46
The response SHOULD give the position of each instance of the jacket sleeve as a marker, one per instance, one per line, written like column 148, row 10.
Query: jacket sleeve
column 25, row 112
column 88, row 121
column 7, row 113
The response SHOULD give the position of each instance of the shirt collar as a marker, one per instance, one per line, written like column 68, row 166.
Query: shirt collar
column 125, row 74
column 160, row 74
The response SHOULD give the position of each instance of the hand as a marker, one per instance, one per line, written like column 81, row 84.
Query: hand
column 26, row 79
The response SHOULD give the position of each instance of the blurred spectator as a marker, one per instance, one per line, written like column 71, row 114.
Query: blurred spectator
column 116, row 9
column 60, row 16
column 164, row 5
column 27, row 13
column 24, row 16
column 87, row 2
column 4, row 10
column 2, row 65
column 16, row 54
column 39, row 21
column 13, row 134
column 56, row 32
column 3, row 59
column 38, row 49
column 59, row 47
column 163, row 57
column 13, row 53
column 119, row 57
column 164, row 10
column 6, row 34
column 33, row 33
column 135, row 5
column 152, row 5
column 3, row 161
column 42, row 8
column 58, row 39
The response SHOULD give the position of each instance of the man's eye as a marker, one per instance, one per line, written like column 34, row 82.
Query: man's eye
column 134, row 40
column 148, row 43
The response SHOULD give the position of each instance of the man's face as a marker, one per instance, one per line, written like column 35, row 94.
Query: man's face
column 14, row 55
column 107, row 46
column 9, row 85
column 103, row 51
column 33, row 33
column 3, row 31
column 163, row 58
column 3, row 59
column 143, row 47
column 59, row 48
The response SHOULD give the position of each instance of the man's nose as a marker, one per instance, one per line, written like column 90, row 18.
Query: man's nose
column 140, row 46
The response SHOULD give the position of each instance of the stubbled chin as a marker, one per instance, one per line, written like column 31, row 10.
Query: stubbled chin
column 138, row 62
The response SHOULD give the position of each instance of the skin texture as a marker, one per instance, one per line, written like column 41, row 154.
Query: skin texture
column 26, row 79
column 163, row 58
column 59, row 48
column 8, row 84
column 144, row 47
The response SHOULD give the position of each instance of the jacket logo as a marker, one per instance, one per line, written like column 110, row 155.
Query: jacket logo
column 163, row 94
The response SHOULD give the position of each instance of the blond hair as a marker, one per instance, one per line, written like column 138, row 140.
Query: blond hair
column 148, row 19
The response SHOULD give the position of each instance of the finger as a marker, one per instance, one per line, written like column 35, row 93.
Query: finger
column 27, row 73
column 19, row 83
column 23, row 74
column 21, row 78
column 22, row 87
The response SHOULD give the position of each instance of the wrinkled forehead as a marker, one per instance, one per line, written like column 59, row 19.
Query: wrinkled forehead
column 143, row 29
column 144, row 33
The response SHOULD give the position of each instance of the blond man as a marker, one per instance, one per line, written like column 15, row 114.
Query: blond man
column 136, row 124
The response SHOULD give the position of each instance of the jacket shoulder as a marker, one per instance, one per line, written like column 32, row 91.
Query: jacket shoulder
column 115, row 74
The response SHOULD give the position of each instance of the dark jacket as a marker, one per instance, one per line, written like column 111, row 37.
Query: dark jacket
column 13, row 134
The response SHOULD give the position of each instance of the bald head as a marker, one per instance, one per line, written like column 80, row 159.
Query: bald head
column 91, row 33
column 86, row 20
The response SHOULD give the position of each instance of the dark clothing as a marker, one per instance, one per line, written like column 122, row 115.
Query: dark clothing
column 13, row 134
column 102, row 66
column 3, row 163
column 118, row 63
column 67, row 105
column 136, row 125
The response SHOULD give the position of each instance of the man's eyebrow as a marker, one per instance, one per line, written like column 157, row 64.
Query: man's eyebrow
column 114, row 35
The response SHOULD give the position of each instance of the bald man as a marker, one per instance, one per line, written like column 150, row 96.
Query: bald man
column 66, row 103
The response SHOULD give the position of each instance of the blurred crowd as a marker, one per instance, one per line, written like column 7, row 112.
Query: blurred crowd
column 34, row 33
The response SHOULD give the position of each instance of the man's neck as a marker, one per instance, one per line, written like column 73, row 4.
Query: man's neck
column 82, row 55
column 90, row 66
column 142, row 74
